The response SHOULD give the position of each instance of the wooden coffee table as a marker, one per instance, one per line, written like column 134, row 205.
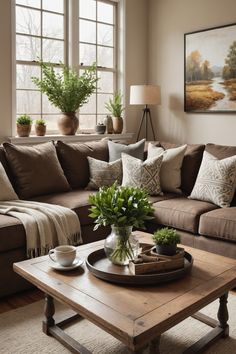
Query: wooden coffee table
column 137, row 316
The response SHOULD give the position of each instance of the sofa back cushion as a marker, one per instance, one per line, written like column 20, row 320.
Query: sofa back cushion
column 73, row 159
column 191, row 163
column 5, row 164
column 36, row 170
column 221, row 152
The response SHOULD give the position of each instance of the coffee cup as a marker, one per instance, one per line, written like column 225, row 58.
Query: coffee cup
column 64, row 255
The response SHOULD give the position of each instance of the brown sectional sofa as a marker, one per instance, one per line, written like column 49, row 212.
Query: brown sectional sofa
column 202, row 225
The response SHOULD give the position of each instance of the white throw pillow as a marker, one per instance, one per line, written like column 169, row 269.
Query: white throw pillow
column 103, row 173
column 142, row 174
column 216, row 180
column 171, row 166
column 6, row 190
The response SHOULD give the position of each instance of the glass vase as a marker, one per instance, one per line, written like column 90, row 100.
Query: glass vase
column 121, row 245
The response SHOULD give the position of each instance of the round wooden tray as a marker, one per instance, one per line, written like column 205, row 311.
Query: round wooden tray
column 102, row 268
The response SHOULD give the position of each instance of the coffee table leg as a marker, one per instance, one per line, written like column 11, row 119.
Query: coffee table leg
column 223, row 314
column 154, row 346
column 49, row 310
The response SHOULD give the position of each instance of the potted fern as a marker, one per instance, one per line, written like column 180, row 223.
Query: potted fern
column 122, row 208
column 166, row 240
column 67, row 91
column 115, row 107
column 23, row 125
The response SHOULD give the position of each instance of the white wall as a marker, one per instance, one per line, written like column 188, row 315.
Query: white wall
column 135, row 60
column 168, row 21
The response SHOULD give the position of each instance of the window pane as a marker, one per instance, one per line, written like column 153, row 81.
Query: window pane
column 27, row 21
column 105, row 34
column 87, row 122
column 102, row 99
column 87, row 9
column 53, row 25
column 87, row 31
column 105, row 57
column 28, row 102
column 24, row 74
column 101, row 117
column 105, row 12
column 89, row 107
column 54, row 5
column 106, row 81
column 51, row 121
column 48, row 106
column 31, row 3
column 87, row 54
column 53, row 51
column 27, row 48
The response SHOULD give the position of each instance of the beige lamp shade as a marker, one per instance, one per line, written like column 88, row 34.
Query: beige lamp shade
column 145, row 94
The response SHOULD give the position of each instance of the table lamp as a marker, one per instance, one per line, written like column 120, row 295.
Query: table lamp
column 145, row 95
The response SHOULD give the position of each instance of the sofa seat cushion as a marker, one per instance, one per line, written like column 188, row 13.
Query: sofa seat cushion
column 181, row 213
column 12, row 233
column 220, row 223
column 76, row 200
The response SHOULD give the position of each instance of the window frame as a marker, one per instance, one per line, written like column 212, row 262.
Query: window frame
column 71, row 54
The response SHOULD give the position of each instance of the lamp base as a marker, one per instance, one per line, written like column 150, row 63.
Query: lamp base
column 145, row 116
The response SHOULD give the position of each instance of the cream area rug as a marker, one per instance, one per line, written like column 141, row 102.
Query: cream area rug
column 20, row 333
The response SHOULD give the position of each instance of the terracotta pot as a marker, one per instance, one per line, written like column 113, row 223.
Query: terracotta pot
column 23, row 130
column 117, row 125
column 68, row 123
column 40, row 129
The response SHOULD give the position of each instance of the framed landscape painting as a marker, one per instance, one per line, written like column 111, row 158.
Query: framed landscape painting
column 210, row 70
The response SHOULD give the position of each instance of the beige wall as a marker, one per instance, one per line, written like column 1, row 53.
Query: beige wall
column 5, row 68
column 135, row 59
column 168, row 21
column 136, row 54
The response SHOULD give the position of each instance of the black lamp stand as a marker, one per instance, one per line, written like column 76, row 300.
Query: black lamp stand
column 146, row 115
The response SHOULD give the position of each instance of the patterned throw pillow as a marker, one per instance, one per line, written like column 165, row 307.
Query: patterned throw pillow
column 216, row 180
column 171, row 166
column 143, row 174
column 103, row 173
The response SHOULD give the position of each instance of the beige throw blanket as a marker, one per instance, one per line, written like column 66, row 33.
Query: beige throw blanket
column 46, row 225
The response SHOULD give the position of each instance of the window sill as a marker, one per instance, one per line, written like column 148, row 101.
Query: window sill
column 33, row 139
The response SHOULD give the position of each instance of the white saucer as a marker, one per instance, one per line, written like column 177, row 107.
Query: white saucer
column 77, row 263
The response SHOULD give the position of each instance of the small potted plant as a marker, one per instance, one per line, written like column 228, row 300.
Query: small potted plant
column 166, row 240
column 23, row 125
column 40, row 127
column 122, row 208
column 115, row 107
column 100, row 128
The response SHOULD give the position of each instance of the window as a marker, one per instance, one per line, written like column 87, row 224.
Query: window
column 41, row 33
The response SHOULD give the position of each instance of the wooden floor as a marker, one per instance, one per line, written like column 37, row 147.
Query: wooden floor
column 28, row 297
column 19, row 300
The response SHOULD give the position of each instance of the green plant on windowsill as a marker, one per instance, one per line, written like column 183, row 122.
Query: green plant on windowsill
column 23, row 125
column 40, row 127
column 40, row 122
column 24, row 119
column 115, row 107
column 67, row 91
